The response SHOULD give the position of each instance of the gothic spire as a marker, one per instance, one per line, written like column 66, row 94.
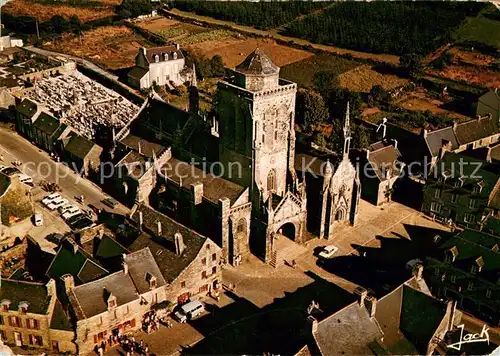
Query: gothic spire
column 194, row 82
column 347, row 133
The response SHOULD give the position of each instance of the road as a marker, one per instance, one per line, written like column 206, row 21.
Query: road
column 39, row 165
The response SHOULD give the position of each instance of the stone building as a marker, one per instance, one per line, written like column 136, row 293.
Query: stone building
column 15, row 200
column 189, row 262
column 159, row 65
column 489, row 103
column 31, row 315
column 467, row 270
column 81, row 154
column 245, row 153
column 116, row 303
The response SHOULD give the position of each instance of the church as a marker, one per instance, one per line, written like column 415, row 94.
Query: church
column 238, row 176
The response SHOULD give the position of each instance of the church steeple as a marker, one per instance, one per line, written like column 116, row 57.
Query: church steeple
column 194, row 95
column 347, row 132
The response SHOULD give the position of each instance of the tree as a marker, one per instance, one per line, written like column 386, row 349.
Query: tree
column 59, row 23
column 75, row 24
column 413, row 63
column 217, row 66
column 134, row 8
column 361, row 137
column 326, row 81
column 310, row 109
column 378, row 95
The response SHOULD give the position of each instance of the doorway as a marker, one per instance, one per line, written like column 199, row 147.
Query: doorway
column 18, row 338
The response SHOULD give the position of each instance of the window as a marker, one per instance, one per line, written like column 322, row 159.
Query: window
column 488, row 293
column 203, row 261
column 208, row 247
column 458, row 183
column 15, row 321
column 183, row 284
column 470, row 286
column 152, row 283
column 435, row 207
column 437, row 193
column 276, row 135
column 472, row 203
column 157, row 58
column 175, row 55
column 454, row 198
column 1, row 320
column 473, row 269
column 271, row 180
column 111, row 303
column 476, row 189
column 214, row 269
column 453, row 278
column 204, row 275
column 214, row 257
column 166, row 56
column 436, row 271
column 469, row 218
column 35, row 340
column 3, row 335
column 33, row 324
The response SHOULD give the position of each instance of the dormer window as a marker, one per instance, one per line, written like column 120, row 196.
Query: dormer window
column 111, row 302
column 478, row 187
column 459, row 182
column 473, row 269
column 472, row 203
column 470, row 286
column 152, row 283
column 175, row 55
column 488, row 293
column 165, row 56
column 451, row 254
column 157, row 58
column 23, row 307
column 5, row 305
column 477, row 265
column 437, row 193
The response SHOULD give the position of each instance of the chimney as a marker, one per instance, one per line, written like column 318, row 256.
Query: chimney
column 144, row 51
column 124, row 264
column 424, row 132
column 179, row 243
column 197, row 192
column 159, row 228
column 139, row 149
column 418, row 270
column 177, row 46
column 395, row 143
column 367, row 153
column 51, row 288
column 140, row 220
column 361, row 294
column 488, row 154
column 69, row 282
column 314, row 323
column 371, row 305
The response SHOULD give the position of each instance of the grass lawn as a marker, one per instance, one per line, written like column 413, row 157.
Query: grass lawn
column 303, row 72
column 484, row 28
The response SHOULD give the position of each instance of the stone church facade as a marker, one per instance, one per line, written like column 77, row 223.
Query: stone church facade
column 256, row 194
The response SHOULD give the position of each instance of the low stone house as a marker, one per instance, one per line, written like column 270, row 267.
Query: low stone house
column 116, row 303
column 190, row 263
column 15, row 202
column 81, row 154
column 159, row 65
column 489, row 103
column 480, row 132
column 31, row 315
column 380, row 168
column 462, row 190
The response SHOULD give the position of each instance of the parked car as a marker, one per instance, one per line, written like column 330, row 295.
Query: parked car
column 64, row 208
column 94, row 208
column 328, row 251
column 82, row 224
column 10, row 171
column 49, row 198
column 110, row 202
column 70, row 213
column 38, row 219
column 189, row 311
column 75, row 218
column 25, row 179
column 56, row 204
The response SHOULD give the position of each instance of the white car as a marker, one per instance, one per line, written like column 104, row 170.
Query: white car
column 38, row 219
column 23, row 178
column 328, row 251
column 50, row 198
column 64, row 208
column 56, row 204
column 70, row 213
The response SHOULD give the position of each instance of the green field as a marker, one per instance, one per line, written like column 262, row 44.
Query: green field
column 480, row 29
column 303, row 72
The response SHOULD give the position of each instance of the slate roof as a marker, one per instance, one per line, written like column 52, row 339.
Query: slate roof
column 491, row 99
column 170, row 50
column 4, row 184
column 141, row 267
column 138, row 73
column 91, row 298
column 436, row 139
column 383, row 159
column 27, row 107
column 163, row 247
column 476, row 129
column 214, row 188
column 470, row 247
column 60, row 320
column 47, row 124
column 135, row 164
column 257, row 63
column 79, row 146
column 18, row 291
column 347, row 332
column 163, row 115
column 147, row 148
column 73, row 259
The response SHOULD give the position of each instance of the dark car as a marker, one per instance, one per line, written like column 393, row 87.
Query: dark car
column 110, row 202
column 94, row 208
column 82, row 224
column 75, row 218
column 10, row 171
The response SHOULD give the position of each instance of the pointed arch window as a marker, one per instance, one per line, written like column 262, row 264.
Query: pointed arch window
column 271, row 180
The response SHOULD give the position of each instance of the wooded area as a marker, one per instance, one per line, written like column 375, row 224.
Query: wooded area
column 385, row 27
column 261, row 15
